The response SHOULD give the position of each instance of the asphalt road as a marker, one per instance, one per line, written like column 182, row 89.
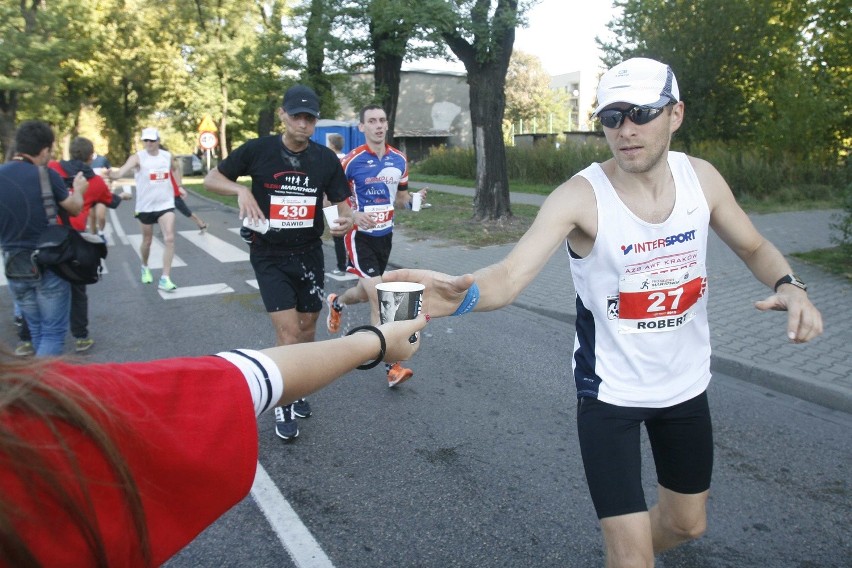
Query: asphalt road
column 473, row 462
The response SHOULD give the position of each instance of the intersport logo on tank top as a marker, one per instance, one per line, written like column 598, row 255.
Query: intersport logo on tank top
column 646, row 246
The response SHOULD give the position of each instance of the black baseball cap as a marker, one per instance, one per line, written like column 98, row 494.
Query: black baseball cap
column 300, row 98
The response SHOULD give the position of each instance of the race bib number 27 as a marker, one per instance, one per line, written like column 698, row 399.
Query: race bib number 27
column 659, row 302
column 292, row 212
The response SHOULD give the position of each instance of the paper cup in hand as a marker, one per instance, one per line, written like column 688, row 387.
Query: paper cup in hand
column 126, row 189
column 416, row 201
column 331, row 215
column 400, row 301
column 259, row 227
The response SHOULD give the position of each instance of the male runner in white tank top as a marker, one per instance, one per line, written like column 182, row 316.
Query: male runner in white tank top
column 155, row 202
column 636, row 231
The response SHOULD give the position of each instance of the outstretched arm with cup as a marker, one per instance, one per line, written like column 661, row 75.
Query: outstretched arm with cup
column 119, row 464
column 498, row 285
column 301, row 379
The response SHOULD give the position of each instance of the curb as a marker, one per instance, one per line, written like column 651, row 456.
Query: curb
column 817, row 393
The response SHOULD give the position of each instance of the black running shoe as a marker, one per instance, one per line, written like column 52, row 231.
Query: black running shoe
column 301, row 408
column 285, row 423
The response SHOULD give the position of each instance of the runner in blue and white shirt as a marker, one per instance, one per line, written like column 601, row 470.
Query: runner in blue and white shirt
column 378, row 178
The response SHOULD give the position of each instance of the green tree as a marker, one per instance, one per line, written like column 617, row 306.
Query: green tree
column 42, row 65
column 759, row 71
column 529, row 98
column 126, row 85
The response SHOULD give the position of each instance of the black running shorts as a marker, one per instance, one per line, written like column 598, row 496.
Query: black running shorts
column 681, row 440
column 288, row 281
column 368, row 256
column 151, row 217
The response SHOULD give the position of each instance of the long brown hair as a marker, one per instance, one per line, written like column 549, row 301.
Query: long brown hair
column 32, row 388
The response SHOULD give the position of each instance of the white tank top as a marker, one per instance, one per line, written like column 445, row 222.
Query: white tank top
column 642, row 335
column 154, row 191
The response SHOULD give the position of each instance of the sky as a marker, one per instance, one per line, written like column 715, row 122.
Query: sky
column 559, row 32
column 562, row 34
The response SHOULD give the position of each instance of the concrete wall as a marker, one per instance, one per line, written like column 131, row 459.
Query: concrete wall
column 431, row 104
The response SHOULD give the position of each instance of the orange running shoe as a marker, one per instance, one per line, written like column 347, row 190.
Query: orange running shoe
column 332, row 322
column 398, row 374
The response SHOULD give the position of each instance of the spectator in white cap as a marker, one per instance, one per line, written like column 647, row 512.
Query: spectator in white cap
column 155, row 203
column 636, row 228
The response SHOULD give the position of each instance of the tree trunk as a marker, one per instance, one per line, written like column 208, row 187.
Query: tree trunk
column 386, row 78
column 486, row 61
column 8, row 116
column 487, row 103
column 266, row 120
column 223, row 121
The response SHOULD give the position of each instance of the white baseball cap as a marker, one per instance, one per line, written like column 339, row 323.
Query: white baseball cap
column 150, row 134
column 638, row 81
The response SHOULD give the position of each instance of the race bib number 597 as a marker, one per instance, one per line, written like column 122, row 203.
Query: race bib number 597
column 659, row 302
column 291, row 212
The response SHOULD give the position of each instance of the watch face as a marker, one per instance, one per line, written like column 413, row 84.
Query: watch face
column 792, row 279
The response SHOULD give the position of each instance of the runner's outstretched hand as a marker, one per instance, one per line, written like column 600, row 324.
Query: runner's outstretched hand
column 443, row 293
column 804, row 322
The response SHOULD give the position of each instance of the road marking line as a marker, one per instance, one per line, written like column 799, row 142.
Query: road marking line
column 155, row 256
column 193, row 291
column 116, row 225
column 293, row 534
column 215, row 247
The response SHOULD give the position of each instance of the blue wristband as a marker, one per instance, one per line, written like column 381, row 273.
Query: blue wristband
column 469, row 301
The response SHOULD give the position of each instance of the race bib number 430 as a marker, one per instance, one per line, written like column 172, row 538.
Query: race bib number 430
column 291, row 212
column 659, row 302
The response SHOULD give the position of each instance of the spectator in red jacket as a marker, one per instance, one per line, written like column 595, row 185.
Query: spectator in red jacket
column 110, row 464
column 98, row 195
column 82, row 152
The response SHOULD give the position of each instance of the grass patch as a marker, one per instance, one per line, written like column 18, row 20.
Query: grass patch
column 519, row 187
column 835, row 260
column 196, row 184
column 450, row 219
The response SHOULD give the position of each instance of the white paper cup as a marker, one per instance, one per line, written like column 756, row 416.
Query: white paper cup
column 416, row 201
column 126, row 188
column 331, row 215
column 260, row 227
column 399, row 300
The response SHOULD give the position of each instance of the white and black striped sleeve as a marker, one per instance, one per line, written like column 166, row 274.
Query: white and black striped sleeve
column 262, row 376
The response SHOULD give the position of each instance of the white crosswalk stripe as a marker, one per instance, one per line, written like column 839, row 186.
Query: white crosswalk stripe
column 155, row 257
column 195, row 291
column 219, row 249
column 215, row 247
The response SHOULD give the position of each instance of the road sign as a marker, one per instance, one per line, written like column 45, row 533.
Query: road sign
column 207, row 124
column 207, row 140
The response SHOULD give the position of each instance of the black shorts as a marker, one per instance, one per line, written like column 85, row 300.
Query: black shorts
column 288, row 281
column 681, row 439
column 368, row 256
column 151, row 217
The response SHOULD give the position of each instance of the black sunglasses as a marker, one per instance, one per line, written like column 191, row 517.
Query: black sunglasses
column 613, row 118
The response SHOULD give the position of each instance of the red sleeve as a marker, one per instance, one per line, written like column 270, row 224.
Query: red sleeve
column 190, row 468
column 97, row 192
column 174, row 184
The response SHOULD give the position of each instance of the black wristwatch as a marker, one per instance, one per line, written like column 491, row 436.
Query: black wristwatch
column 791, row 279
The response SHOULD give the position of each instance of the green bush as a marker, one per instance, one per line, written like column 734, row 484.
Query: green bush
column 755, row 175
column 759, row 175
column 542, row 164
column 844, row 225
